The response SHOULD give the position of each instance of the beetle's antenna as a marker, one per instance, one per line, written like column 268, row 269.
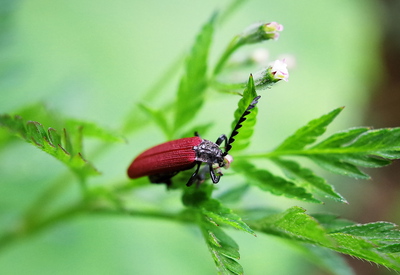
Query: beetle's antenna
column 239, row 124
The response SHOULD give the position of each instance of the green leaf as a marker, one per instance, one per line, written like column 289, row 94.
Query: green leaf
column 271, row 183
column 392, row 248
column 135, row 119
column 327, row 259
column 217, row 214
column 54, row 137
column 68, row 143
column 294, row 224
column 364, row 160
column 332, row 222
column 364, row 249
column 378, row 232
column 234, row 194
column 50, row 142
column 309, row 133
column 341, row 138
column 372, row 149
column 308, row 179
column 376, row 242
column 383, row 143
column 36, row 133
column 336, row 166
column 200, row 129
column 343, row 152
column 158, row 117
column 90, row 129
column 242, row 140
column 193, row 83
column 223, row 249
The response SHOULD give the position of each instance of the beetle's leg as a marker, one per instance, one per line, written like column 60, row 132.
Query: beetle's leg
column 196, row 134
column 162, row 178
column 194, row 176
column 221, row 139
column 214, row 178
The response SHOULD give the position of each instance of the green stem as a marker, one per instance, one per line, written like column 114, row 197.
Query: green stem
column 230, row 9
column 30, row 227
column 150, row 94
column 227, row 87
column 233, row 46
column 48, row 196
column 308, row 152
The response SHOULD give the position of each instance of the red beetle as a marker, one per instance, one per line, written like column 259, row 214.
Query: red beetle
column 160, row 163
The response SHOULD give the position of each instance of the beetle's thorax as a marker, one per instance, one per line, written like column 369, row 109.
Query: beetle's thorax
column 208, row 152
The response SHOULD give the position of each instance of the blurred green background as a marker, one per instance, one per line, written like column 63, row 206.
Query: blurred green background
column 93, row 60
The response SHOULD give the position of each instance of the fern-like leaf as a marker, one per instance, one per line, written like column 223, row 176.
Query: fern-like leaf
column 193, row 83
column 90, row 129
column 223, row 249
column 59, row 146
column 343, row 153
column 374, row 242
column 309, row 133
column 306, row 178
column 276, row 185
column 217, row 214
column 245, row 131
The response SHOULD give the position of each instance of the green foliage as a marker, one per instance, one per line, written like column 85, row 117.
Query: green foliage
column 90, row 129
column 327, row 259
column 366, row 241
column 247, row 129
column 276, row 185
column 308, row 179
column 217, row 214
column 308, row 134
column 343, row 152
column 62, row 147
column 319, row 237
column 158, row 117
column 190, row 95
column 224, row 250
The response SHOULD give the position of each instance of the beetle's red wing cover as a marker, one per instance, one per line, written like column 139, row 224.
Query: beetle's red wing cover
column 171, row 156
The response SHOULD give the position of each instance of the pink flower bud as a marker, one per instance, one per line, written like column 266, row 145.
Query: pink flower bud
column 260, row 32
column 271, row 30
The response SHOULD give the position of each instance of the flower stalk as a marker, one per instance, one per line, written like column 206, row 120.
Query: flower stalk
column 256, row 33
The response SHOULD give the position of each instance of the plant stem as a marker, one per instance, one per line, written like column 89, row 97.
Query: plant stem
column 29, row 227
column 233, row 46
